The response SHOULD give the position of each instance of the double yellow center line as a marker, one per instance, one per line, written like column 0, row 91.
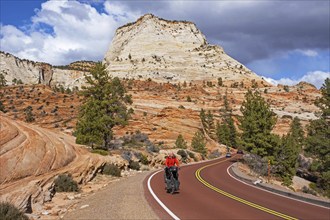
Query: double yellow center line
column 198, row 176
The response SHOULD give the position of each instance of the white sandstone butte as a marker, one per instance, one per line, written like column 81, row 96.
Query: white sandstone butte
column 166, row 50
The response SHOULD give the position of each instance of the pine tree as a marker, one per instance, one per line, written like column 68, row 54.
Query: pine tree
column 256, row 124
column 286, row 159
column 209, row 122
column 226, row 110
column 297, row 132
column 180, row 142
column 226, row 131
column 202, row 116
column 198, row 143
column 222, row 132
column 103, row 108
column 287, row 156
column 324, row 102
column 318, row 141
column 232, row 132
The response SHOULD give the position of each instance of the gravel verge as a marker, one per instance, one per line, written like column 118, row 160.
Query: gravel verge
column 123, row 199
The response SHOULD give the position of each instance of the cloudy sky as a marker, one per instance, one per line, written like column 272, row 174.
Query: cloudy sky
column 284, row 41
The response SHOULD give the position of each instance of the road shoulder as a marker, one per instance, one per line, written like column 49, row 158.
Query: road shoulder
column 235, row 171
column 123, row 199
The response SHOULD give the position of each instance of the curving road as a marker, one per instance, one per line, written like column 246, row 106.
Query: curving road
column 209, row 192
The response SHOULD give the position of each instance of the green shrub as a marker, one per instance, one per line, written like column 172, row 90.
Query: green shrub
column 308, row 190
column 111, row 169
column 134, row 165
column 10, row 212
column 100, row 151
column 287, row 181
column 144, row 160
column 151, row 148
column 192, row 155
column 65, row 183
column 2, row 107
column 29, row 117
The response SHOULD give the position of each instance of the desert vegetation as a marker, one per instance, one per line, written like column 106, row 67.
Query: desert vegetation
column 104, row 107
column 65, row 183
column 10, row 212
column 283, row 152
column 162, row 113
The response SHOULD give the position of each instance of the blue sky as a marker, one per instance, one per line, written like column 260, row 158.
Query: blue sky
column 284, row 41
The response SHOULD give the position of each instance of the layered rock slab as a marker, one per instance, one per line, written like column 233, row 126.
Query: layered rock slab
column 31, row 157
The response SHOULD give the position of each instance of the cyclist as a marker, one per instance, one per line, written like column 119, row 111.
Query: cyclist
column 171, row 161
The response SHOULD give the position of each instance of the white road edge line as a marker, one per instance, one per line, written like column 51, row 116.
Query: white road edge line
column 158, row 200
column 270, row 191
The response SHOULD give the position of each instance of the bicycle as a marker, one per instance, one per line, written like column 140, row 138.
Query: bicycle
column 171, row 179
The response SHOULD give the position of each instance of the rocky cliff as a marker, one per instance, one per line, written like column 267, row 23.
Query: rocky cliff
column 31, row 157
column 30, row 72
column 165, row 50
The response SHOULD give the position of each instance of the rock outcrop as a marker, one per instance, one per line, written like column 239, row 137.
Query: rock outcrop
column 30, row 72
column 15, row 68
column 165, row 50
column 31, row 157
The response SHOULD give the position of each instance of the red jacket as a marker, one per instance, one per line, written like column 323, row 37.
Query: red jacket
column 171, row 161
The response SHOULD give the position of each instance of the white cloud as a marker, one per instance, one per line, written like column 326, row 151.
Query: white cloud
column 316, row 78
column 309, row 53
column 66, row 31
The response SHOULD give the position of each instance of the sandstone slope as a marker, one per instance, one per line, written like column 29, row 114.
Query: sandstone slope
column 30, row 158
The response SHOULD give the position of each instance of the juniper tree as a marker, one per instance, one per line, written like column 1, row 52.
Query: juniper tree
column 256, row 124
column 220, row 83
column 3, row 81
column 2, row 107
column 180, row 142
column 29, row 117
column 104, row 107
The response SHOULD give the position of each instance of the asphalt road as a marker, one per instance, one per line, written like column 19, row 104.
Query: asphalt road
column 207, row 191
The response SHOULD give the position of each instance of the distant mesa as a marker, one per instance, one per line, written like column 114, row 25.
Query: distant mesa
column 166, row 50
